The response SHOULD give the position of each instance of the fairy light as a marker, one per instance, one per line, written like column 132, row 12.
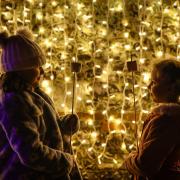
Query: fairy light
column 159, row 53
column 39, row 16
column 126, row 34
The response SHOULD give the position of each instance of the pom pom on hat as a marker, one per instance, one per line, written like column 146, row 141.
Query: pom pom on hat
column 25, row 32
column 3, row 38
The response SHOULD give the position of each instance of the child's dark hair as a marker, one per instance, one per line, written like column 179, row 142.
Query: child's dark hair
column 169, row 69
column 11, row 81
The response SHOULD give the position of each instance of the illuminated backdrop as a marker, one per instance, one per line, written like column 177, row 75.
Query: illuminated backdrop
column 102, row 35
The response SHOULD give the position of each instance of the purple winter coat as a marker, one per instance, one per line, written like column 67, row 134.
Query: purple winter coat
column 32, row 139
column 159, row 150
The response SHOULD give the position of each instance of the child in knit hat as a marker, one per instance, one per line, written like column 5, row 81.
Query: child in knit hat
column 33, row 143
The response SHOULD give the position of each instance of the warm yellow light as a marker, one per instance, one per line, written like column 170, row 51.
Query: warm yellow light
column 166, row 10
column 47, row 43
column 123, row 146
column 115, row 161
column 54, row 3
column 67, row 79
column 63, row 105
column 94, row 134
column 41, row 30
column 45, row 83
column 104, row 112
column 118, row 8
column 48, row 90
column 125, row 22
column 90, row 122
column 79, row 98
column 146, row 77
column 159, row 54
column 103, row 144
column 142, row 60
column 52, row 77
column 39, row 16
column 127, row 46
column 68, row 93
column 91, row 111
column 126, row 34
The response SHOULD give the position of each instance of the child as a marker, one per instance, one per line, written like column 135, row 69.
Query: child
column 158, row 155
column 32, row 135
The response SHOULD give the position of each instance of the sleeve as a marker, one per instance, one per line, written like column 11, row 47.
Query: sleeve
column 69, row 124
column 22, row 133
column 158, row 141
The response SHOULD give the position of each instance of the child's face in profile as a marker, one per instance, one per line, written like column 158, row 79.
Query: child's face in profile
column 161, row 88
column 31, row 76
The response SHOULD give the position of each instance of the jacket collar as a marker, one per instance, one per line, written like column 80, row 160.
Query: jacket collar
column 167, row 108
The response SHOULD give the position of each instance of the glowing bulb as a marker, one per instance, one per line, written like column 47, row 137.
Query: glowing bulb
column 140, row 6
column 67, row 79
column 52, row 77
column 145, row 48
column 126, row 34
column 117, row 121
column 39, row 16
column 111, row 118
column 146, row 77
column 94, row 134
column 90, row 89
column 131, row 146
column 48, row 90
column 159, row 29
column 142, row 60
column 47, row 43
column 119, row 8
column 41, row 30
column 45, row 83
column 68, row 93
column 123, row 131
column 91, row 111
column 79, row 98
column 63, row 105
column 88, row 101
column 159, row 3
column 115, row 161
column 125, row 22
column 110, row 59
column 166, row 11
column 90, row 122
column 127, row 47
column 142, row 33
column 104, row 112
column 123, row 146
column 90, row 149
column 83, row 141
column 159, row 53
column 54, row 3
column 103, row 144
column 122, row 111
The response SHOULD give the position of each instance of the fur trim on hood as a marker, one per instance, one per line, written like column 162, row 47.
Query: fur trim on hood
column 167, row 108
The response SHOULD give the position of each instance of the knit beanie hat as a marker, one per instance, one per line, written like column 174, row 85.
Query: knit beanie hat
column 20, row 52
